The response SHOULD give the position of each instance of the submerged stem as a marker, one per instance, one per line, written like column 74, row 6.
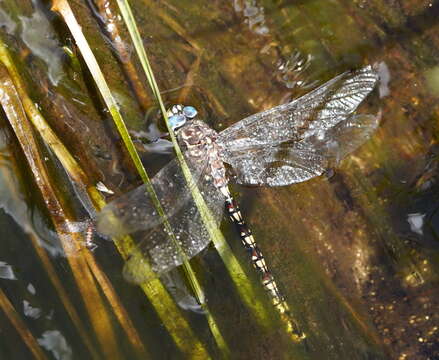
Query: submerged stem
column 89, row 196
column 110, row 23
column 71, row 241
column 21, row 328
column 63, row 8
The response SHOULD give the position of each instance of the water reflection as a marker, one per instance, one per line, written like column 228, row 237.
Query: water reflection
column 31, row 289
column 14, row 204
column 38, row 34
column 180, row 292
column 432, row 77
column 254, row 15
column 385, row 77
column 6, row 22
column 292, row 69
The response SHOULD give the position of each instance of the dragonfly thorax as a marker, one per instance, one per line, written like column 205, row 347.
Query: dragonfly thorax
column 200, row 142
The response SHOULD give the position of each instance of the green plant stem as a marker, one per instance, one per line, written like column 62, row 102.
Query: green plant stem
column 235, row 270
column 63, row 8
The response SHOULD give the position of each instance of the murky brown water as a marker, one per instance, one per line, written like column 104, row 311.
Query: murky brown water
column 356, row 254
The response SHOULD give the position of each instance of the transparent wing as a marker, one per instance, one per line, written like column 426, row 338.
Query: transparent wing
column 156, row 252
column 344, row 138
column 278, row 166
column 135, row 211
column 292, row 162
column 313, row 113
column 160, row 252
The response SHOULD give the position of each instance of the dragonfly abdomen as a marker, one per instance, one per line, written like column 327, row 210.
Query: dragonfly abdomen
column 258, row 262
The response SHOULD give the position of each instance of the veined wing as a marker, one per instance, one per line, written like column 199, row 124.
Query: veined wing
column 313, row 113
column 294, row 162
column 155, row 248
column 280, row 165
column 135, row 211
column 344, row 138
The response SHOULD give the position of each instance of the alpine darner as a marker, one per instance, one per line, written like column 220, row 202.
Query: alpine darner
column 287, row 144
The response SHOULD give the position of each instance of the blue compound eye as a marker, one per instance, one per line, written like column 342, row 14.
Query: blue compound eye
column 190, row 112
column 177, row 120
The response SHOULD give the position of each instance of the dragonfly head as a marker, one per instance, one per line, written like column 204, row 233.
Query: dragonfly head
column 179, row 114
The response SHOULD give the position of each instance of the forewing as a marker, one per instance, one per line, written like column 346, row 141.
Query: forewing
column 314, row 112
column 290, row 163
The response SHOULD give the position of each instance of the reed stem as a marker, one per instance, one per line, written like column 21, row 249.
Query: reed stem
column 63, row 8
column 234, row 268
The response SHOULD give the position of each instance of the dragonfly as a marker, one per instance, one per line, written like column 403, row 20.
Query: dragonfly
column 287, row 144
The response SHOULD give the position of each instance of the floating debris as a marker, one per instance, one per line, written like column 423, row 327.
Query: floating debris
column 6, row 271
column 103, row 188
column 31, row 289
column 416, row 222
column 30, row 311
column 55, row 342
